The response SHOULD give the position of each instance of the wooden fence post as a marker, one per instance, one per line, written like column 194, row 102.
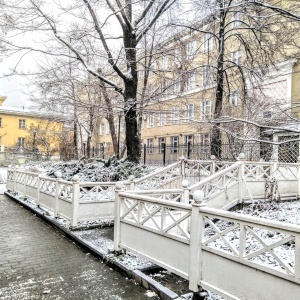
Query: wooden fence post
column 25, row 183
column 186, row 191
column 213, row 165
column 196, row 237
column 75, row 201
column 241, row 177
column 117, row 237
column 57, row 193
column 131, row 181
column 15, row 179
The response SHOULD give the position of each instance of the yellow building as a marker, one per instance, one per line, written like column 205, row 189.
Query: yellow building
column 181, row 93
column 27, row 133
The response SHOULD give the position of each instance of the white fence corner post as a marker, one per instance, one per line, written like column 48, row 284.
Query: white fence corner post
column 196, row 238
column 15, row 178
column 131, row 182
column 117, row 221
column 25, row 183
column 274, row 166
column 39, row 183
column 38, row 191
column 57, row 193
column 213, row 164
column 186, row 191
column 75, row 201
column 241, row 177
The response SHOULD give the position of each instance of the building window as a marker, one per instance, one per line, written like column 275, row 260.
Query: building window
column 208, row 42
column 162, row 119
column 107, row 128
column 150, row 144
column 175, row 115
column 236, row 57
column 161, row 144
column 206, row 110
column 205, row 143
column 21, row 142
column 141, row 74
column 101, row 129
column 174, row 144
column 22, row 124
column 150, row 120
column 191, row 49
column 234, row 98
column 164, row 62
column 236, row 19
column 188, row 142
column 176, row 85
column 101, row 148
column 207, row 78
column 191, row 80
column 189, row 112
column 177, row 57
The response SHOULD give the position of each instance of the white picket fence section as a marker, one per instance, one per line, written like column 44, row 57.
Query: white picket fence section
column 221, row 251
column 75, row 201
column 248, row 180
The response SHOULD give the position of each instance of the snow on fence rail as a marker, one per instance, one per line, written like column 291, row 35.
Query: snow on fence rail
column 237, row 256
column 76, row 201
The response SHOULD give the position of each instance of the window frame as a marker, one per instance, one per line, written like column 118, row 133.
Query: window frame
column 22, row 123
column 205, row 115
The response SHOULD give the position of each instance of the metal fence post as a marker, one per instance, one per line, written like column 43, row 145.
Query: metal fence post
column 57, row 193
column 164, row 153
column 145, row 153
column 117, row 222
column 241, row 177
column 182, row 167
column 196, row 237
column 75, row 201
column 189, row 150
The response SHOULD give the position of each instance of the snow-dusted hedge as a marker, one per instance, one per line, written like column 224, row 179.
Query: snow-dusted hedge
column 96, row 171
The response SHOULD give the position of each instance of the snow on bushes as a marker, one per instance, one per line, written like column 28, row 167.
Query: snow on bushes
column 99, row 170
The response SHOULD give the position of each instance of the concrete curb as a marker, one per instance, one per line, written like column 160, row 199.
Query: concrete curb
column 141, row 278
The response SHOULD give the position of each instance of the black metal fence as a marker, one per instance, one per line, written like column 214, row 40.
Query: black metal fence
column 166, row 154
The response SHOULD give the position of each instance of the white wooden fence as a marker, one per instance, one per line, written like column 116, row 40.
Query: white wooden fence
column 76, row 201
column 237, row 256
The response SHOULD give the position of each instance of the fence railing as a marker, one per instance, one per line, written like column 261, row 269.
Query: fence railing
column 254, row 151
column 207, row 246
column 73, row 200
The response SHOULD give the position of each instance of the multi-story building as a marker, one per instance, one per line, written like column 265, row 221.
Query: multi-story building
column 182, row 95
column 23, row 131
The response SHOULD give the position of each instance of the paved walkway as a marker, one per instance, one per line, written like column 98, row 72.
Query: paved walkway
column 38, row 262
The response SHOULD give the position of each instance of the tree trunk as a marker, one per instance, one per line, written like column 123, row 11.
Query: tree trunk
column 216, row 143
column 130, row 97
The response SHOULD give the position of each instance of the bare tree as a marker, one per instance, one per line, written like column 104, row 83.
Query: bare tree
column 256, row 30
column 91, row 24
